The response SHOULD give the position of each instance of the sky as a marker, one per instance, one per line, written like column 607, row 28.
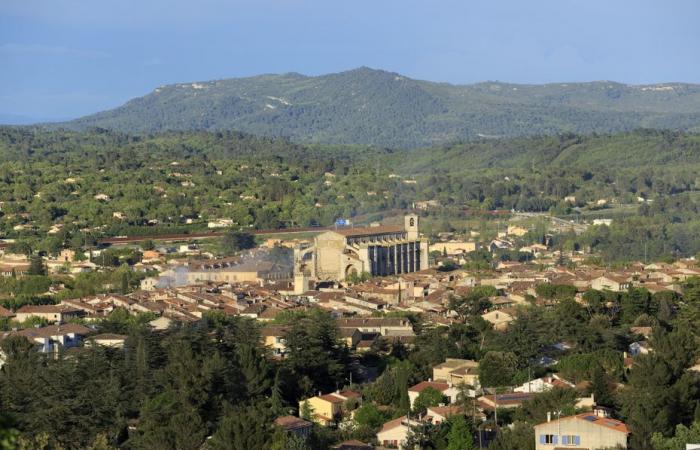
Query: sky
column 66, row 58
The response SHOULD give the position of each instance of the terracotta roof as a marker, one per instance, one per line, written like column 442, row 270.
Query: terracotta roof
column 4, row 312
column 444, row 411
column 274, row 330
column 28, row 309
column 353, row 444
column 109, row 337
column 350, row 394
column 332, row 398
column 393, row 424
column 423, row 385
column 51, row 330
column 291, row 422
column 607, row 422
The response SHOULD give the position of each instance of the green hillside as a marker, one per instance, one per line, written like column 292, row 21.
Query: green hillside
column 366, row 106
column 634, row 150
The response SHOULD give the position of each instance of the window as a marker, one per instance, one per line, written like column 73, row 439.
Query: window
column 548, row 439
column 570, row 440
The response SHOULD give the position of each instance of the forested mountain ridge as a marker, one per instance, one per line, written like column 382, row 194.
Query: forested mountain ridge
column 367, row 106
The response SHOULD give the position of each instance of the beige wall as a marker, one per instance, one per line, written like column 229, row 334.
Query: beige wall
column 454, row 248
column 321, row 407
column 592, row 436
column 329, row 247
column 397, row 434
column 222, row 276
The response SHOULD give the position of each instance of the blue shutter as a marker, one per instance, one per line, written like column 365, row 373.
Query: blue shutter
column 543, row 439
column 555, row 439
column 577, row 440
column 565, row 440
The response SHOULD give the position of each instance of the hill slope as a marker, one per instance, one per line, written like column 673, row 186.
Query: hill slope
column 366, row 106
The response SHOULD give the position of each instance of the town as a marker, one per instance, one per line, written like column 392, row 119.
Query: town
column 392, row 294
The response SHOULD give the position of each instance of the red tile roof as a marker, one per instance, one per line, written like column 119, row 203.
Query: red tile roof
column 591, row 417
column 332, row 398
column 291, row 422
column 423, row 385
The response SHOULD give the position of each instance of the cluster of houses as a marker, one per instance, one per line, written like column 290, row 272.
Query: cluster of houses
column 457, row 380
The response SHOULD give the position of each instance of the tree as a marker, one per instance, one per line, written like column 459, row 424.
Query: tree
column 368, row 415
column 36, row 266
column 683, row 435
column 316, row 353
column 497, row 369
column 427, row 397
column 520, row 437
column 243, row 427
column 307, row 411
column 235, row 241
column 601, row 388
column 460, row 436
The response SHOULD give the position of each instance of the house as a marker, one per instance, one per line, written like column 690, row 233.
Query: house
column 295, row 425
column 590, row 430
column 6, row 313
column 543, row 384
column 393, row 326
column 445, row 388
column 53, row 337
column 274, row 337
column 51, row 313
column 500, row 318
column 326, row 409
column 353, row 444
column 457, row 371
column 395, row 432
column 611, row 282
column 515, row 230
column 509, row 400
column 453, row 248
column 500, row 244
column 350, row 336
column 107, row 340
column 438, row 414
column 639, row 348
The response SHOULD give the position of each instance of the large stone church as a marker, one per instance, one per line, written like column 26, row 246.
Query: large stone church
column 377, row 250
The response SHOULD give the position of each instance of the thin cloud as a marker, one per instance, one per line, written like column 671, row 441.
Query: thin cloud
column 50, row 50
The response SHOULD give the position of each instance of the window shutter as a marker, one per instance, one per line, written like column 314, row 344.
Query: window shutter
column 543, row 439
column 577, row 440
column 555, row 439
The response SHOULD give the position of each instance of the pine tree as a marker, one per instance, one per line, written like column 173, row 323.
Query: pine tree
column 36, row 266
column 460, row 436
column 276, row 399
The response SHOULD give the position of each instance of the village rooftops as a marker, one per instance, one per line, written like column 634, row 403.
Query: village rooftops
column 373, row 322
column 50, row 331
column 43, row 309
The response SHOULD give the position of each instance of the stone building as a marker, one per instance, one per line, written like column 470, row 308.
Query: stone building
column 336, row 255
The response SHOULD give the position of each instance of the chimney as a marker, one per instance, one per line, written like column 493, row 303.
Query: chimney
column 549, row 416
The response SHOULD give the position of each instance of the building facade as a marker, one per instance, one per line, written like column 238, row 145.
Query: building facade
column 378, row 251
column 592, row 430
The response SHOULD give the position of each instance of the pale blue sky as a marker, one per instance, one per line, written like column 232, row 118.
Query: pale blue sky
column 65, row 58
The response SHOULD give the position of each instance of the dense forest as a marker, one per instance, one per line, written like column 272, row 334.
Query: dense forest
column 366, row 106
column 82, row 186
